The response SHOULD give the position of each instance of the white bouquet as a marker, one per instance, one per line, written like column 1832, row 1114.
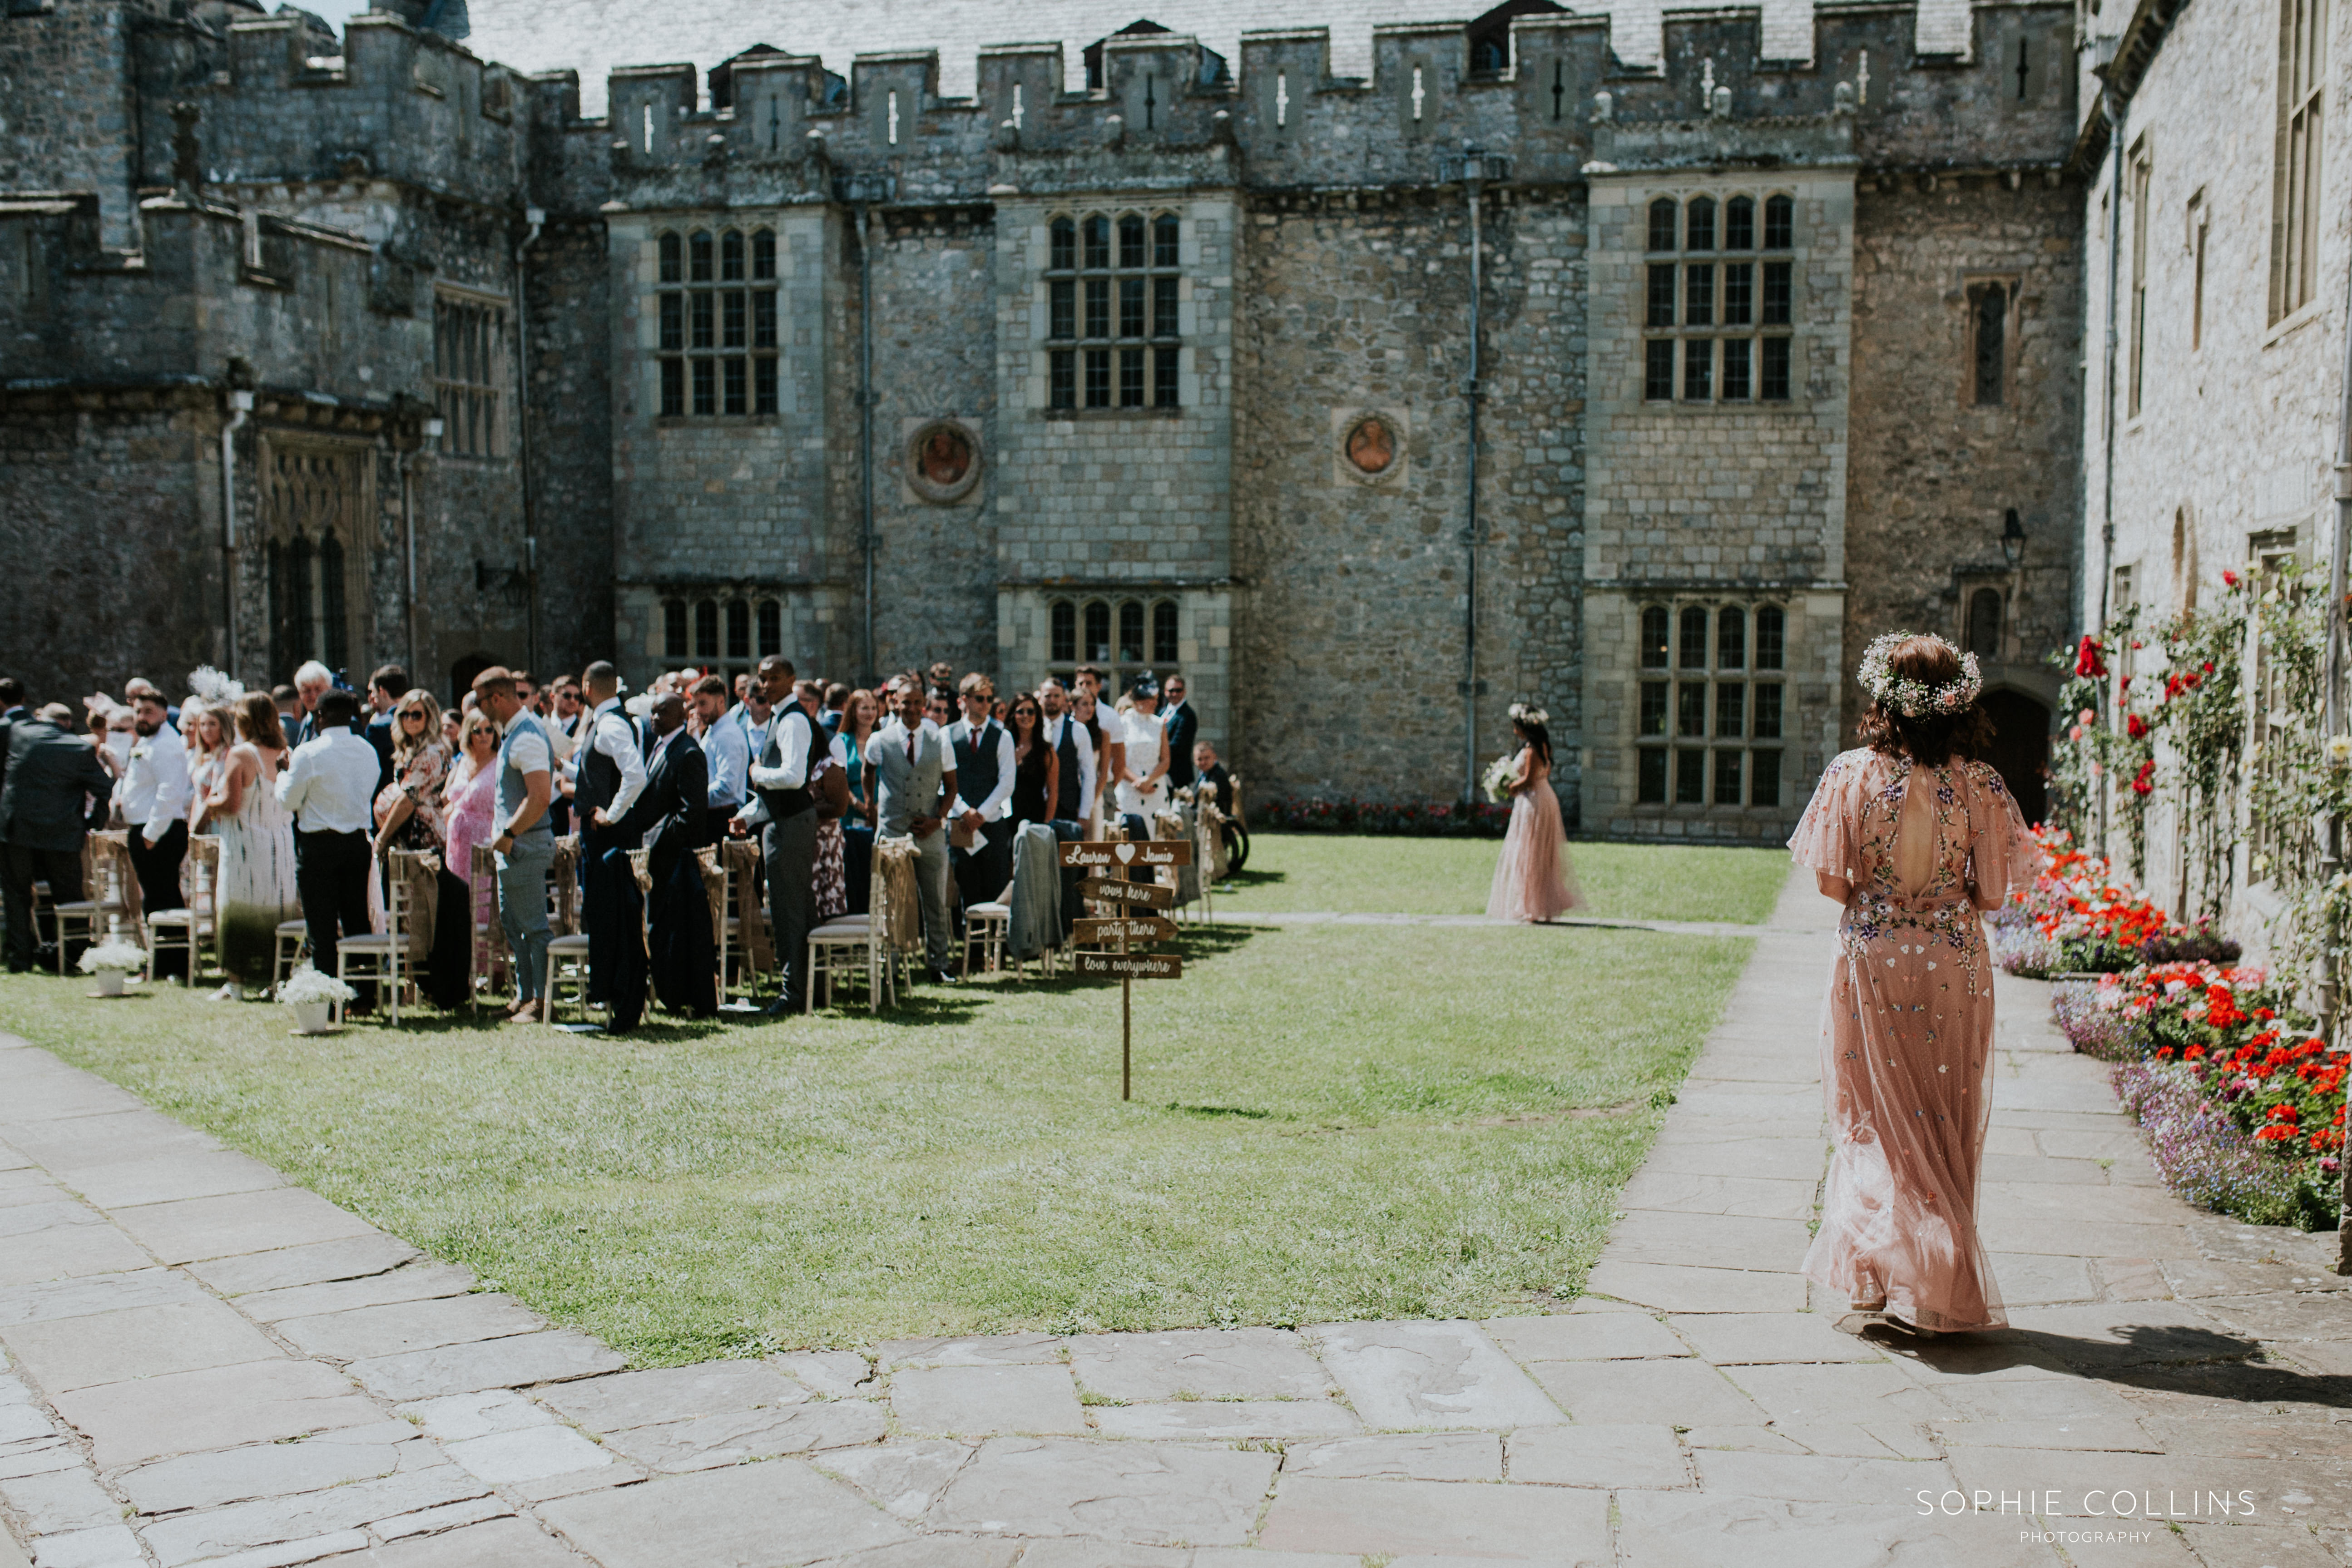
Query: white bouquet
column 1497, row 780
column 113, row 953
column 308, row 985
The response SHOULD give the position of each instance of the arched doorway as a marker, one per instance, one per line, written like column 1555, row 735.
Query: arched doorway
column 2020, row 749
column 462, row 673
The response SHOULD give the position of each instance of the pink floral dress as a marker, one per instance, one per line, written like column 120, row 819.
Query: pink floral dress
column 1906, row 1036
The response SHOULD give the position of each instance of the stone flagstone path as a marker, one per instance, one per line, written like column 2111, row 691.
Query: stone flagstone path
column 206, row 1364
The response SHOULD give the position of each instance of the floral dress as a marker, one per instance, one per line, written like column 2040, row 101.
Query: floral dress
column 419, row 779
column 1906, row 1036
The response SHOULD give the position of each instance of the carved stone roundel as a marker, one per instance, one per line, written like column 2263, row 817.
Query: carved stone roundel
column 1370, row 446
column 943, row 461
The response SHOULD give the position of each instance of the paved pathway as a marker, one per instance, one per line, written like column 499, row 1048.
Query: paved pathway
column 206, row 1364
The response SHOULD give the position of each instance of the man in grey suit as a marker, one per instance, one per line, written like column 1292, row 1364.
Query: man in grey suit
column 785, row 810
column 52, row 772
column 915, row 783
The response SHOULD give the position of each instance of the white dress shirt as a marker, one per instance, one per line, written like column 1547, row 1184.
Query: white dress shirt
column 1142, row 736
column 1086, row 745
column 611, row 736
column 153, row 790
column 330, row 784
column 730, row 750
column 1000, row 799
column 792, row 732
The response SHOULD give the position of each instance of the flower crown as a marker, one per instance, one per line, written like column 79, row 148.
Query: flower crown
column 1528, row 713
column 1915, row 699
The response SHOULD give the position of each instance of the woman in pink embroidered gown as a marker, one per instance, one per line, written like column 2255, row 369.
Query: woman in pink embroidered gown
column 1533, row 881
column 470, row 805
column 1915, row 838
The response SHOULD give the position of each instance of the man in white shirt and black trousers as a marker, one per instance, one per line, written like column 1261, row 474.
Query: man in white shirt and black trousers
column 785, row 810
column 330, row 786
column 611, row 775
column 984, row 766
column 1076, row 750
column 153, row 794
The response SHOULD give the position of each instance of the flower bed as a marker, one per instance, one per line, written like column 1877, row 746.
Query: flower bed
column 1417, row 820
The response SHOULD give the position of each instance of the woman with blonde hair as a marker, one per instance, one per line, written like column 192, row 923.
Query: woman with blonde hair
column 1916, row 837
column 255, row 891
column 408, row 809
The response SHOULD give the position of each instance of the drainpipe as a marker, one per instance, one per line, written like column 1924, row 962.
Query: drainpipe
column 1473, row 173
column 2107, row 525
column 241, row 406
column 2332, row 838
column 865, row 421
column 537, row 218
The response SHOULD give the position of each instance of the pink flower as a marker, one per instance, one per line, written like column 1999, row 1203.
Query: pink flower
column 2075, row 733
column 2086, row 716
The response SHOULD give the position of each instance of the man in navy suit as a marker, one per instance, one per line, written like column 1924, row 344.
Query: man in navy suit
column 1181, row 725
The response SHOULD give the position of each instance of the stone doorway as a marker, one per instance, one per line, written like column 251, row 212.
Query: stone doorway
column 2020, row 749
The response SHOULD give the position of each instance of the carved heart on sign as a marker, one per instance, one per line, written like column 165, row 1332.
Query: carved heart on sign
column 1126, row 853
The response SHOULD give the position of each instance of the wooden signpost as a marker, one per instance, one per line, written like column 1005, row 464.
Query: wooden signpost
column 1134, row 924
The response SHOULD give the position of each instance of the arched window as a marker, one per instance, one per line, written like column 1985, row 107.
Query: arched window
column 1699, row 231
column 1739, row 223
column 672, row 628
column 1097, row 236
column 1163, row 632
column 1661, row 224
column 1064, row 640
column 1099, row 632
column 772, row 628
column 1653, row 637
column 730, row 257
column 1130, row 631
column 1694, row 638
column 1779, row 224
column 1730, row 638
column 764, row 253
column 1164, row 247
column 697, row 257
column 1984, row 623
column 738, row 628
column 706, row 629
column 673, row 260
column 1130, row 240
column 1770, row 632
column 1062, row 254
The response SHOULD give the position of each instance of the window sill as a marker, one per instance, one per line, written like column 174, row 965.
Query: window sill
column 697, row 421
column 1085, row 415
column 2288, row 325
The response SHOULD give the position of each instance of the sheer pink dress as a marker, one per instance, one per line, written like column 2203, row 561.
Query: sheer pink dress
column 1534, row 880
column 1906, row 1036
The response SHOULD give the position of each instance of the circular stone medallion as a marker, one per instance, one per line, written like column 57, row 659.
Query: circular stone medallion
column 1370, row 446
column 943, row 461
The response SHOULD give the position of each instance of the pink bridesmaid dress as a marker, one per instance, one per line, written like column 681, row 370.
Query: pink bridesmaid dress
column 1534, row 880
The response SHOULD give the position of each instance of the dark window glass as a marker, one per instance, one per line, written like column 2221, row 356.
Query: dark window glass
column 1779, row 224
column 1130, row 307
column 1130, row 631
column 673, row 373
column 1739, row 223
column 1690, row 710
column 1690, row 778
column 1163, row 632
column 1653, row 777
column 1692, row 654
column 706, row 386
column 1164, row 307
column 1992, row 328
column 1731, row 708
column 1097, row 238
column 1698, row 296
column 1065, row 616
column 730, row 257
column 672, row 263
column 705, row 330
column 1131, row 241
column 1163, row 378
column 697, row 257
column 1777, row 293
column 1131, row 378
column 1662, row 294
column 738, row 384
column 1776, row 370
column 1098, row 307
column 1661, row 224
column 1767, row 713
column 1770, row 624
column 1653, row 637
column 763, row 384
column 730, row 318
column 1099, row 378
column 1062, row 309
column 1727, row 778
column 1163, row 242
column 1739, row 294
column 772, row 628
column 1064, row 254
column 1730, row 637
column 1658, row 370
column 706, row 629
column 673, row 322
column 1984, row 623
column 1766, row 790
column 1699, row 369
column 1062, row 379
column 1654, row 708
column 739, row 629
column 1099, row 631
column 763, row 318
column 672, row 628
column 764, row 253
column 1736, row 383
column 1698, row 230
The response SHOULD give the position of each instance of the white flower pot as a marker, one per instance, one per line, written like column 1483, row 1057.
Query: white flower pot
column 310, row 1017
column 109, row 982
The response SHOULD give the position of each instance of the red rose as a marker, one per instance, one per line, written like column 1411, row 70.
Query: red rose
column 2087, row 659
column 2135, row 726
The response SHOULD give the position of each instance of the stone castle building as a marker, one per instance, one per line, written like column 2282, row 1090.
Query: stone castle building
column 1647, row 389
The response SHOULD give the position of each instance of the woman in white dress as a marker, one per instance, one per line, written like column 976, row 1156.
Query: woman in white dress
column 1143, row 762
column 256, row 846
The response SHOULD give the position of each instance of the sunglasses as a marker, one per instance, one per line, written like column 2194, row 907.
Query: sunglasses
column 415, row 713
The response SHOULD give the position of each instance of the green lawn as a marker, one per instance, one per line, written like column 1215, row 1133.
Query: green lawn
column 1329, row 1122
column 1289, row 872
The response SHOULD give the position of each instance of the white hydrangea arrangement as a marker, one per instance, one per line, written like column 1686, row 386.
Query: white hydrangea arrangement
column 113, row 953
column 1496, row 780
column 308, row 985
